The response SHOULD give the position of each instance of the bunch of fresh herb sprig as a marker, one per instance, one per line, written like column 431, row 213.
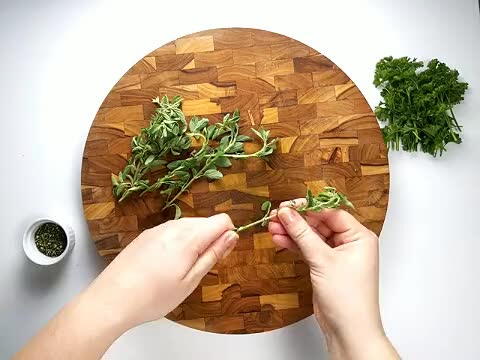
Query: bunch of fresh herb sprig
column 329, row 198
column 168, row 133
column 165, row 135
column 418, row 103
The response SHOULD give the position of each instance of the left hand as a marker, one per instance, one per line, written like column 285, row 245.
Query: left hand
column 146, row 281
column 162, row 266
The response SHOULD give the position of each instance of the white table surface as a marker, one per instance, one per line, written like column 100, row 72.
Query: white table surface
column 60, row 58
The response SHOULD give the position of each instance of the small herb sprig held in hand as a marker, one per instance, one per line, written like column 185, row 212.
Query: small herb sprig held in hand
column 168, row 133
column 329, row 198
column 418, row 103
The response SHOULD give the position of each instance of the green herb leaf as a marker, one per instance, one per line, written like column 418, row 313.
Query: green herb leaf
column 243, row 138
column 417, row 106
column 149, row 159
column 175, row 164
column 266, row 205
column 268, row 151
column 223, row 161
column 237, row 147
column 213, row 174
column 157, row 163
column 224, row 141
column 197, row 124
column 211, row 129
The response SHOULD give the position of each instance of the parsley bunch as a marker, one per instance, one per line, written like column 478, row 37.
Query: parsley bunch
column 329, row 198
column 418, row 104
column 169, row 135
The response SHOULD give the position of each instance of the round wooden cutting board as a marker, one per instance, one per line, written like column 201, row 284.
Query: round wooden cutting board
column 328, row 136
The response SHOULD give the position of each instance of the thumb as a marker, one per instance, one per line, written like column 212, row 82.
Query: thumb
column 312, row 246
column 218, row 250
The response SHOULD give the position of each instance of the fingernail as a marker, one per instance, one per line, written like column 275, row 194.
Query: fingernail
column 288, row 215
column 231, row 242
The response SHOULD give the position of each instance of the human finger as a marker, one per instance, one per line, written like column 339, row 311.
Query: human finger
column 276, row 228
column 337, row 220
column 208, row 230
column 219, row 249
column 285, row 242
column 315, row 222
column 295, row 203
column 309, row 242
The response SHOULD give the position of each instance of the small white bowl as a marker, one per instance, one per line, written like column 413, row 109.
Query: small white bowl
column 31, row 249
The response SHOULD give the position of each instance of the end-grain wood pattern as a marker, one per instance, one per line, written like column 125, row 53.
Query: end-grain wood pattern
column 328, row 136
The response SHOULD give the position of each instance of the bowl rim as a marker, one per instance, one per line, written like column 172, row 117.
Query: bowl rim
column 30, row 248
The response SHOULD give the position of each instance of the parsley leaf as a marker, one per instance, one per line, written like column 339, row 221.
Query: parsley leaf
column 418, row 103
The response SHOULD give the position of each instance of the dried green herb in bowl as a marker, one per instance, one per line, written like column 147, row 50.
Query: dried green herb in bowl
column 50, row 239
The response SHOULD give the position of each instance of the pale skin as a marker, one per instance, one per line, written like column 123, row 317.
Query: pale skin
column 161, row 267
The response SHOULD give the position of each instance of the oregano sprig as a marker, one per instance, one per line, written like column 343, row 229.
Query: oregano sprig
column 206, row 161
column 165, row 135
column 329, row 198
column 169, row 134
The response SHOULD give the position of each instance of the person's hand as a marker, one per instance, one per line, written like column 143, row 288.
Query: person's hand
column 163, row 265
column 148, row 279
column 343, row 259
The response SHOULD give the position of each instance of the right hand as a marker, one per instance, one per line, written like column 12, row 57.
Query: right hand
column 343, row 259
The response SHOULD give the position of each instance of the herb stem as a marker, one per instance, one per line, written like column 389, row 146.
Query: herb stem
column 259, row 221
column 233, row 156
column 204, row 139
column 454, row 119
column 200, row 173
column 329, row 198
column 243, row 156
column 183, row 188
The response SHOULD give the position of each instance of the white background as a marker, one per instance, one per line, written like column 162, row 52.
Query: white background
column 60, row 58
